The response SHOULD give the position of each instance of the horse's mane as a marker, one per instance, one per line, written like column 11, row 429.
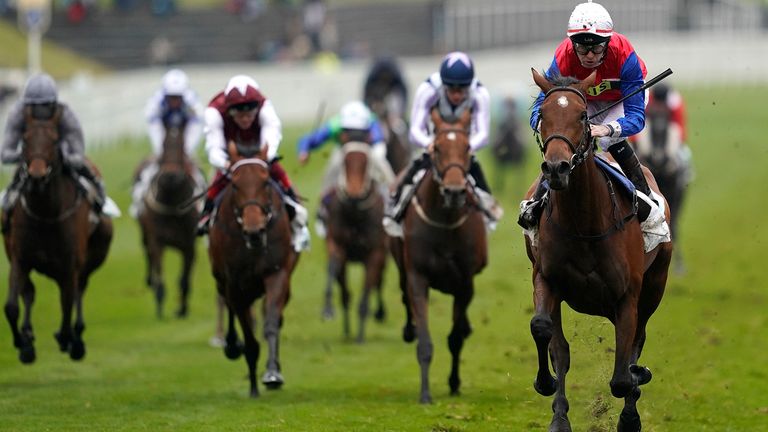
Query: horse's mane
column 562, row 81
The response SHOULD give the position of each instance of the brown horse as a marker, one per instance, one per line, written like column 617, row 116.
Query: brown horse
column 252, row 257
column 588, row 253
column 51, row 232
column 355, row 234
column 167, row 220
column 395, row 135
column 444, row 246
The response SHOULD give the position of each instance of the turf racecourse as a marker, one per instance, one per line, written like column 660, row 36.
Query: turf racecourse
column 706, row 344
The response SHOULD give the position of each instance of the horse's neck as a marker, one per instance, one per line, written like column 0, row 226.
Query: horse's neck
column 54, row 196
column 430, row 197
column 585, row 200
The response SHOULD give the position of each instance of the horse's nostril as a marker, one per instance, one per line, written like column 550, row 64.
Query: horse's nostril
column 563, row 168
column 545, row 168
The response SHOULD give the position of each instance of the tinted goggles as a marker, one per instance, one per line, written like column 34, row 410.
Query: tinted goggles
column 243, row 108
column 584, row 49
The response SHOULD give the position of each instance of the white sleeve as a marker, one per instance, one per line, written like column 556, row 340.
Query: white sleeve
column 271, row 129
column 422, row 103
column 215, row 145
column 194, row 130
column 481, row 119
column 155, row 128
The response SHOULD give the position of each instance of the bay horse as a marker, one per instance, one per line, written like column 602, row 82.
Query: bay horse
column 252, row 257
column 355, row 234
column 589, row 253
column 167, row 220
column 53, row 232
column 659, row 148
column 444, row 246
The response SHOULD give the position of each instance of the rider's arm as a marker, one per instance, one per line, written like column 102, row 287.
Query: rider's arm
column 11, row 152
column 377, row 135
column 425, row 98
column 214, row 139
column 271, row 129
column 72, row 141
column 318, row 137
column 481, row 119
column 634, row 107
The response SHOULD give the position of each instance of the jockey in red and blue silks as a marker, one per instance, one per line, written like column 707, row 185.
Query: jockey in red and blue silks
column 593, row 46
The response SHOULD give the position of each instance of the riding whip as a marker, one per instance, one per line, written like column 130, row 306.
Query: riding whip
column 647, row 84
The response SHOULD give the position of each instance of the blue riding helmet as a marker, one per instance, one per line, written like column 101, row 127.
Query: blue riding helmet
column 457, row 69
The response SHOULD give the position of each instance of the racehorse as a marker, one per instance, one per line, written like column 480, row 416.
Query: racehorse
column 588, row 253
column 252, row 257
column 355, row 210
column 443, row 247
column 395, row 133
column 52, row 231
column 659, row 148
column 166, row 220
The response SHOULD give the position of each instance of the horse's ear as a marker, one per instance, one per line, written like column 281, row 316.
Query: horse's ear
column 541, row 81
column 588, row 82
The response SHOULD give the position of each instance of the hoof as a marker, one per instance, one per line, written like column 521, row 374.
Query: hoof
column 621, row 389
column 233, row 351
column 27, row 354
column 425, row 400
column 547, row 388
column 629, row 422
column 409, row 333
column 328, row 313
column 380, row 315
column 77, row 350
column 273, row 380
column 641, row 374
column 254, row 393
column 62, row 341
column 181, row 313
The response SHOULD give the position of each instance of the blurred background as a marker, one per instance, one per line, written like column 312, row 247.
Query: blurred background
column 108, row 56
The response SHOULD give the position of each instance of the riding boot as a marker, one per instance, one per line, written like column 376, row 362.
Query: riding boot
column 531, row 210
column 492, row 208
column 205, row 217
column 625, row 156
column 100, row 195
column 397, row 209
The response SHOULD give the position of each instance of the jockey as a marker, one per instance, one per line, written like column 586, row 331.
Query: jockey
column 452, row 91
column 242, row 113
column 173, row 104
column 593, row 45
column 41, row 98
column 385, row 86
column 355, row 122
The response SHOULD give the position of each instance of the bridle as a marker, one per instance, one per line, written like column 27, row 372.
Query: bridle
column 580, row 151
column 439, row 174
column 265, row 207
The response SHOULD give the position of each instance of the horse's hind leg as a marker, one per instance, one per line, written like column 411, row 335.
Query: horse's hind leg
column 374, row 267
column 77, row 347
column 188, row 262
column 20, row 284
column 155, row 253
column 68, row 288
column 460, row 331
column 341, row 279
column 333, row 270
column 559, row 351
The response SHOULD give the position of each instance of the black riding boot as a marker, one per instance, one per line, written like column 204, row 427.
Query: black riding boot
column 407, row 179
column 530, row 215
column 205, row 217
column 101, row 196
column 477, row 173
column 625, row 156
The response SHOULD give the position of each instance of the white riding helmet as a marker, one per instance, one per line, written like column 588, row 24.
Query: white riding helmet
column 590, row 24
column 355, row 115
column 175, row 83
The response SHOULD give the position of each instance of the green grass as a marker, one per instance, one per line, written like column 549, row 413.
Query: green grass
column 706, row 344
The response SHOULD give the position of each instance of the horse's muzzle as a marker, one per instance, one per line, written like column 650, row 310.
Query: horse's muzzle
column 38, row 169
column 556, row 173
column 453, row 197
column 255, row 239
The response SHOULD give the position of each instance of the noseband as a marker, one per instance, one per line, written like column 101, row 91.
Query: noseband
column 579, row 152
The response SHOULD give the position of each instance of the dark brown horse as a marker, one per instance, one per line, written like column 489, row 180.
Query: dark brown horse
column 355, row 234
column 395, row 134
column 51, row 232
column 444, row 246
column 252, row 257
column 166, row 220
column 588, row 253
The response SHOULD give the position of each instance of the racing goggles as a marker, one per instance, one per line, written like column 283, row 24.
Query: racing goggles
column 585, row 49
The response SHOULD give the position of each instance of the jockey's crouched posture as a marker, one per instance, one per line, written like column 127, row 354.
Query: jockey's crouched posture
column 241, row 113
column 591, row 44
column 354, row 123
column 40, row 98
column 452, row 91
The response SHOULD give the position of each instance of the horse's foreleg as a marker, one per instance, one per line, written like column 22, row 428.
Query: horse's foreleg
column 77, row 347
column 544, row 302
column 232, row 347
column 277, row 288
column 332, row 275
column 409, row 331
column 186, row 270
column 460, row 331
column 24, row 339
column 155, row 253
column 251, row 346
column 374, row 266
column 622, row 381
column 418, row 294
column 67, row 296
column 561, row 362
column 341, row 279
